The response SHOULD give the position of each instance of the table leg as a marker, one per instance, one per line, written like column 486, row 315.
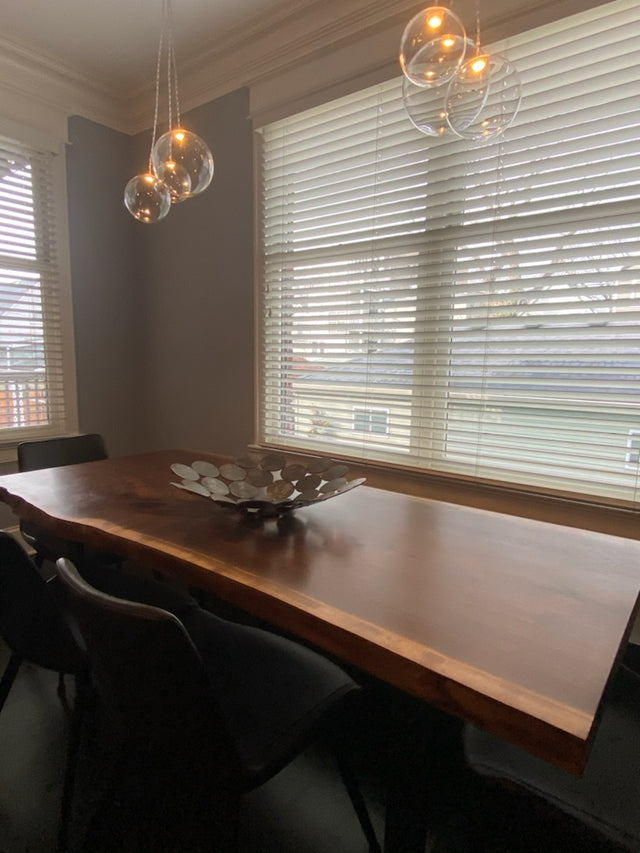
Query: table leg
column 425, row 758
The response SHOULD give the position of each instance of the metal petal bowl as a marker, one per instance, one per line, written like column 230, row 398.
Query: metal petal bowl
column 266, row 485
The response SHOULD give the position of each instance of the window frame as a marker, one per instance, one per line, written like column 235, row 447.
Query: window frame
column 58, row 322
column 394, row 471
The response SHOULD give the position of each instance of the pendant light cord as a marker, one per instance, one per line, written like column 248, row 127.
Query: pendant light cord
column 172, row 69
column 157, row 106
column 173, row 66
column 175, row 84
column 167, row 16
column 166, row 36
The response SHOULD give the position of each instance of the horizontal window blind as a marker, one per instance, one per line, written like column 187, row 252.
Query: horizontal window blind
column 32, row 387
column 461, row 307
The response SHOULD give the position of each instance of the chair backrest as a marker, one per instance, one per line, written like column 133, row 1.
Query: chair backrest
column 55, row 452
column 146, row 667
column 32, row 622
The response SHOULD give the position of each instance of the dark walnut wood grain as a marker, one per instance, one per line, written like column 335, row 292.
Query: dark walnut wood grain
column 510, row 623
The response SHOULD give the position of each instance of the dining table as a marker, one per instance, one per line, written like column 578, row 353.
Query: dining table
column 512, row 624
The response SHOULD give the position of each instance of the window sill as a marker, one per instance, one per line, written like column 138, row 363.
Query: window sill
column 555, row 508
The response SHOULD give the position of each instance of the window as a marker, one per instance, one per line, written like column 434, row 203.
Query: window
column 375, row 421
column 633, row 448
column 33, row 344
column 486, row 296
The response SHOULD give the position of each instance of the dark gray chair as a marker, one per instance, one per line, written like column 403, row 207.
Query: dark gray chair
column 605, row 800
column 54, row 453
column 212, row 708
column 33, row 626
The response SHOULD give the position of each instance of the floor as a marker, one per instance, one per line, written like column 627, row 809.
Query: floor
column 304, row 810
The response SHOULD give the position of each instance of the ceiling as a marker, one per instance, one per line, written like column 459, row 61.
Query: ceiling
column 114, row 42
column 97, row 58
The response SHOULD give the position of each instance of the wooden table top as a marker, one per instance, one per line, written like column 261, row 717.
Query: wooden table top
column 510, row 623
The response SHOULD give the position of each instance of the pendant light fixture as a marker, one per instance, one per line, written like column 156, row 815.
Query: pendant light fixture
column 483, row 98
column 180, row 162
column 425, row 105
column 433, row 46
column 450, row 86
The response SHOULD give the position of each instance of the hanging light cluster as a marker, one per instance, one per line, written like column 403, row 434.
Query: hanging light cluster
column 180, row 163
column 450, row 85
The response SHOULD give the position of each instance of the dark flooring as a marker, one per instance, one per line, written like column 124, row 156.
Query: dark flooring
column 303, row 810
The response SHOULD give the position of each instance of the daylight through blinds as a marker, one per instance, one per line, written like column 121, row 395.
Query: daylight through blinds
column 31, row 352
column 462, row 307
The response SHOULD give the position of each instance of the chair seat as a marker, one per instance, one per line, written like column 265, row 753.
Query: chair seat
column 271, row 690
column 607, row 797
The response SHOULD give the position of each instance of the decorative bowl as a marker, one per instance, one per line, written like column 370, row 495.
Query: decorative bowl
column 266, row 484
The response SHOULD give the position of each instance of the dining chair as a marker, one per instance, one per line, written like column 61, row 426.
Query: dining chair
column 33, row 626
column 606, row 799
column 54, row 453
column 216, row 708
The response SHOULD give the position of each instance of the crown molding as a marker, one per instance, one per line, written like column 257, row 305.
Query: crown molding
column 42, row 86
column 272, row 42
column 267, row 43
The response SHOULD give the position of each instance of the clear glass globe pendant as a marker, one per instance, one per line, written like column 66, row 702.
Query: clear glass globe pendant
column 180, row 163
column 445, row 93
column 183, row 162
column 432, row 47
column 147, row 198
column 425, row 107
column 484, row 97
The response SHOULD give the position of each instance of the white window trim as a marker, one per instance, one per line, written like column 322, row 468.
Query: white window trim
column 39, row 139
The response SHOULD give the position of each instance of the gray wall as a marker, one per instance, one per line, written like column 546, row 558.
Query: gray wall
column 106, row 272
column 198, row 297
column 163, row 313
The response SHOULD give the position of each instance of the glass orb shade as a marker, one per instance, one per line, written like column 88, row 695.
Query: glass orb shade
column 433, row 46
column 147, row 198
column 184, row 162
column 425, row 108
column 484, row 97
column 176, row 178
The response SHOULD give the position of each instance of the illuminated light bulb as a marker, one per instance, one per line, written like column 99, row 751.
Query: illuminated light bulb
column 184, row 162
column 147, row 198
column 483, row 99
column 433, row 46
